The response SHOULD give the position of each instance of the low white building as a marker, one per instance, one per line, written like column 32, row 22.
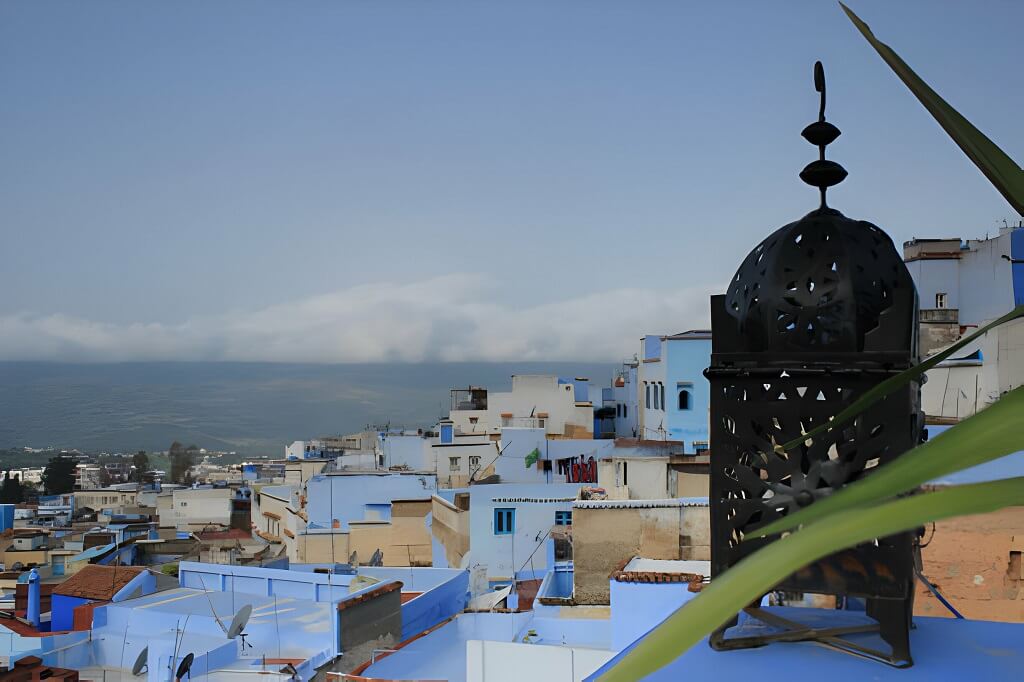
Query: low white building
column 197, row 508
column 962, row 285
column 560, row 406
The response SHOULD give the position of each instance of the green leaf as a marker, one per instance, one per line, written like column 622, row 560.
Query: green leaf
column 1002, row 171
column 884, row 388
column 766, row 568
column 992, row 433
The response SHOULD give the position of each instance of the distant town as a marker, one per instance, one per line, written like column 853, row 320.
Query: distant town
column 562, row 512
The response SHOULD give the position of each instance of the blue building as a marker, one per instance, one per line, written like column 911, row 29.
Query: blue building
column 673, row 397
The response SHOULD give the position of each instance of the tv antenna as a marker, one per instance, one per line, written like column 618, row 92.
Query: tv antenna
column 238, row 623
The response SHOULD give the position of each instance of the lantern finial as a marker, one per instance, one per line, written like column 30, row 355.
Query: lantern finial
column 821, row 173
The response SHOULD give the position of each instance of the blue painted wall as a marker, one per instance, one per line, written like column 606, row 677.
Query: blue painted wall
column 638, row 607
column 345, row 497
column 687, row 360
column 62, row 611
column 6, row 516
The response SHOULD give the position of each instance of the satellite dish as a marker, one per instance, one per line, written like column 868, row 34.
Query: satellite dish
column 184, row 666
column 239, row 621
column 141, row 661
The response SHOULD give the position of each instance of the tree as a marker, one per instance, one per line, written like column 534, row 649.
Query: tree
column 182, row 460
column 11, row 491
column 59, row 475
column 140, row 462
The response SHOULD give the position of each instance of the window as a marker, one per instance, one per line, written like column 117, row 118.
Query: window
column 504, row 521
column 647, row 396
column 183, row 504
column 684, row 400
column 542, row 423
column 940, row 300
column 473, row 420
column 506, row 421
column 657, row 405
column 625, row 411
column 625, row 473
column 661, row 388
column 453, row 464
column 563, row 518
column 618, row 410
column 474, row 461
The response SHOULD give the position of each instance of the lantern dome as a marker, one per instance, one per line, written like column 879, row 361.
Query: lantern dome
column 820, row 283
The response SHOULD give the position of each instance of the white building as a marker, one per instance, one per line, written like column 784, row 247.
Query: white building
column 560, row 406
column 962, row 286
column 197, row 508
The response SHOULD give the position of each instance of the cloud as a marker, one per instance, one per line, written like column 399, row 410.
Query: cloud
column 451, row 318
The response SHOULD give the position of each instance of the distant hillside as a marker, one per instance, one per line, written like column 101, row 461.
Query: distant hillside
column 255, row 408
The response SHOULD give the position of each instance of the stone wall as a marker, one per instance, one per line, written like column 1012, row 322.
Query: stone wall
column 603, row 538
column 976, row 563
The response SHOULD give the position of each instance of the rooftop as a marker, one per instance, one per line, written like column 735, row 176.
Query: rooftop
column 641, row 570
column 943, row 648
column 98, row 582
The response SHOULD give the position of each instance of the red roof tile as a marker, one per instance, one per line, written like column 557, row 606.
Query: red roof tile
column 98, row 582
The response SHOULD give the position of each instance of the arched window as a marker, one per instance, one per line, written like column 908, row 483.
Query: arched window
column 661, row 387
column 647, row 397
column 684, row 400
column 657, row 398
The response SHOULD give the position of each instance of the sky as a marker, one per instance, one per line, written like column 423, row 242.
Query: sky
column 359, row 181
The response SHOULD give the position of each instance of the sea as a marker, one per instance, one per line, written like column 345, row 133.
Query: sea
column 250, row 408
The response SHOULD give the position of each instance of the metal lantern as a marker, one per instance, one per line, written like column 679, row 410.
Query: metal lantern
column 818, row 313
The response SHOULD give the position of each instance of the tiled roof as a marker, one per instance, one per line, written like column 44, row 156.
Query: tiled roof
column 642, row 504
column 632, row 570
column 98, row 582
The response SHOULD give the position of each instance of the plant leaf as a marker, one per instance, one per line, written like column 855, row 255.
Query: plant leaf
column 884, row 388
column 994, row 432
column 763, row 570
column 1002, row 171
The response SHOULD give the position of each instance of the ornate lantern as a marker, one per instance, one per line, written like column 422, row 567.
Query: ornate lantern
column 818, row 313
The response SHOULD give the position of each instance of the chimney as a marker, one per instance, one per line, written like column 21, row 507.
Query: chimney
column 32, row 612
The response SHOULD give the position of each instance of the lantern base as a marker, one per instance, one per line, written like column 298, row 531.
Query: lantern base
column 854, row 633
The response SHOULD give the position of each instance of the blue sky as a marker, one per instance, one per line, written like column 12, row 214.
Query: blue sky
column 334, row 181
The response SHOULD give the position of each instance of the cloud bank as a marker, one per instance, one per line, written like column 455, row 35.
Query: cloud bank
column 448, row 319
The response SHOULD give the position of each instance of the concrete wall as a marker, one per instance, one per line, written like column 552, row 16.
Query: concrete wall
column 638, row 607
column 603, row 538
column 634, row 478
column 986, row 280
column 412, row 451
column 534, row 517
column 450, row 527
column 322, row 547
column 488, row 661
column 404, row 539
column 455, row 463
column 366, row 624
column 934, row 276
column 958, row 389
column 193, row 509
column 334, row 500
